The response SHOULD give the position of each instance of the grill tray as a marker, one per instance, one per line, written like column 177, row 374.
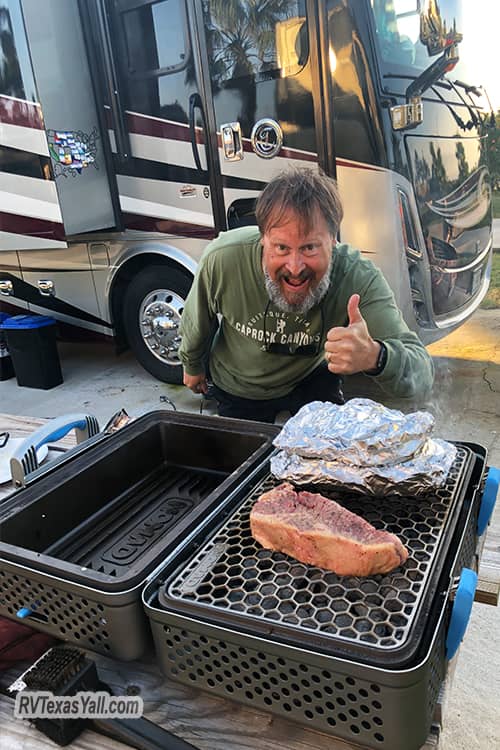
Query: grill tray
column 117, row 537
column 77, row 546
column 232, row 581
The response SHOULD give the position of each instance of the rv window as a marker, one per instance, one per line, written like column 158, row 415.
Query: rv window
column 154, row 37
column 399, row 31
column 260, row 42
column 16, row 77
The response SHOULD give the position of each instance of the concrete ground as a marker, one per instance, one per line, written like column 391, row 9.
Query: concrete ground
column 465, row 403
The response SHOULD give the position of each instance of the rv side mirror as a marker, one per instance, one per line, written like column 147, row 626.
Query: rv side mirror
column 434, row 33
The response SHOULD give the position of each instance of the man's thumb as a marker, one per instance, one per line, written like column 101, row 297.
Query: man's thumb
column 353, row 310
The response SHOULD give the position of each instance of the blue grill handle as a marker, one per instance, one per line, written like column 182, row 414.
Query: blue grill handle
column 460, row 614
column 24, row 461
column 489, row 499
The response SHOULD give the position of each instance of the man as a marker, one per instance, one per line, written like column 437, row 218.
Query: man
column 287, row 298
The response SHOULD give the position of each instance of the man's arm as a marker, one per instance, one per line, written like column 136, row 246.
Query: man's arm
column 197, row 327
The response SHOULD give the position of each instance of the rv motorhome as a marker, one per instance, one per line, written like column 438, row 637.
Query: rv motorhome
column 134, row 131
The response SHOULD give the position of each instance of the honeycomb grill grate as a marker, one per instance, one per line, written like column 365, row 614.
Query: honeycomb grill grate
column 233, row 573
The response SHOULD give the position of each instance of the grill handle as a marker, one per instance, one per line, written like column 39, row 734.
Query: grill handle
column 488, row 500
column 460, row 613
column 24, row 461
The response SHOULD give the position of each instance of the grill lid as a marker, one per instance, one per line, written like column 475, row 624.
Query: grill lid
column 232, row 581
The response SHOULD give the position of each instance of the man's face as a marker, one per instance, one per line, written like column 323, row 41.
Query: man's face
column 296, row 262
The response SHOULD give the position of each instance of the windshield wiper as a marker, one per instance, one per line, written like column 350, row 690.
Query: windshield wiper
column 461, row 123
column 475, row 119
column 478, row 91
column 469, row 89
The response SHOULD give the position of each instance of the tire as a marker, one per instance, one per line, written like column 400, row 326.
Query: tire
column 152, row 309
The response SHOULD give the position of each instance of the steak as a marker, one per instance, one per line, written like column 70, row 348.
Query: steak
column 318, row 531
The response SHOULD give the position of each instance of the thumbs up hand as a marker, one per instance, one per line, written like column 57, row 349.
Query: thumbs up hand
column 350, row 349
column 353, row 310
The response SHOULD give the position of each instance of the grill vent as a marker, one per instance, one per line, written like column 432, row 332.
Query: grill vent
column 62, row 613
column 344, row 706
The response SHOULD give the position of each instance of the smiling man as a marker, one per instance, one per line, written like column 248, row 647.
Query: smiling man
column 296, row 312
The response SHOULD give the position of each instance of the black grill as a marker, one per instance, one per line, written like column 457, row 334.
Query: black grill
column 359, row 658
column 77, row 546
column 377, row 618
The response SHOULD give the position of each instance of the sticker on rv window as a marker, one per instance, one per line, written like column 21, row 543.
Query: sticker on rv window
column 72, row 151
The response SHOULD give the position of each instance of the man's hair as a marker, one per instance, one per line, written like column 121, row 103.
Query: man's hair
column 302, row 192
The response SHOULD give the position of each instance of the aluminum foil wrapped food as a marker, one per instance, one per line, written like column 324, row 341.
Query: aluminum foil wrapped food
column 364, row 446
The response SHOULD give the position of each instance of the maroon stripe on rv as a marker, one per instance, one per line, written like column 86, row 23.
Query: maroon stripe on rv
column 166, row 226
column 17, row 224
column 23, row 113
column 284, row 152
column 291, row 153
column 161, row 128
column 177, row 132
column 357, row 165
column 287, row 153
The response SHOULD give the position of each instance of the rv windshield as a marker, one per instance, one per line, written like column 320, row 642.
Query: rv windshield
column 413, row 33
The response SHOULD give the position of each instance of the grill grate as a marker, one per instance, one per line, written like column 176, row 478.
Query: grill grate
column 267, row 590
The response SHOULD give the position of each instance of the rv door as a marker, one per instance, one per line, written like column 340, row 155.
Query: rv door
column 166, row 159
column 217, row 99
column 266, row 72
column 72, row 117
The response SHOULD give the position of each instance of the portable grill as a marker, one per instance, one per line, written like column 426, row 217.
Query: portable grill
column 77, row 545
column 359, row 658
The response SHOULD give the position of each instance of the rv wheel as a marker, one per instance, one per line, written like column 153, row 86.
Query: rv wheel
column 152, row 311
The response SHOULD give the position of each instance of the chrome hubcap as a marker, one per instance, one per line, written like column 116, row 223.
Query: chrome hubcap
column 159, row 319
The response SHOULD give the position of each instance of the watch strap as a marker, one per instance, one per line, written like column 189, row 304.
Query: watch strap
column 381, row 360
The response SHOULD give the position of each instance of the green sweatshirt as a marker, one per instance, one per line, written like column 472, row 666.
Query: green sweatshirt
column 229, row 285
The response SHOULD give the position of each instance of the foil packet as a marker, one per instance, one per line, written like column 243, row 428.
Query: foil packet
column 362, row 446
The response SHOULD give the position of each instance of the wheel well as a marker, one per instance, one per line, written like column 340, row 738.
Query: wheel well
column 120, row 283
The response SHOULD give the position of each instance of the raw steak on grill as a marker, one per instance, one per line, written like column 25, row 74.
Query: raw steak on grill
column 318, row 531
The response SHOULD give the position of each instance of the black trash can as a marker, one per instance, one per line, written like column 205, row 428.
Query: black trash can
column 6, row 366
column 31, row 340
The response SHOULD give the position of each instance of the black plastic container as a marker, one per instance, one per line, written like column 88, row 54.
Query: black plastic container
column 77, row 545
column 6, row 366
column 31, row 340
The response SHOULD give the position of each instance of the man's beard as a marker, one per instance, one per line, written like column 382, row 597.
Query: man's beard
column 312, row 298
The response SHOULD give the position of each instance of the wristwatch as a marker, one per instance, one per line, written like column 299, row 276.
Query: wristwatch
column 381, row 360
